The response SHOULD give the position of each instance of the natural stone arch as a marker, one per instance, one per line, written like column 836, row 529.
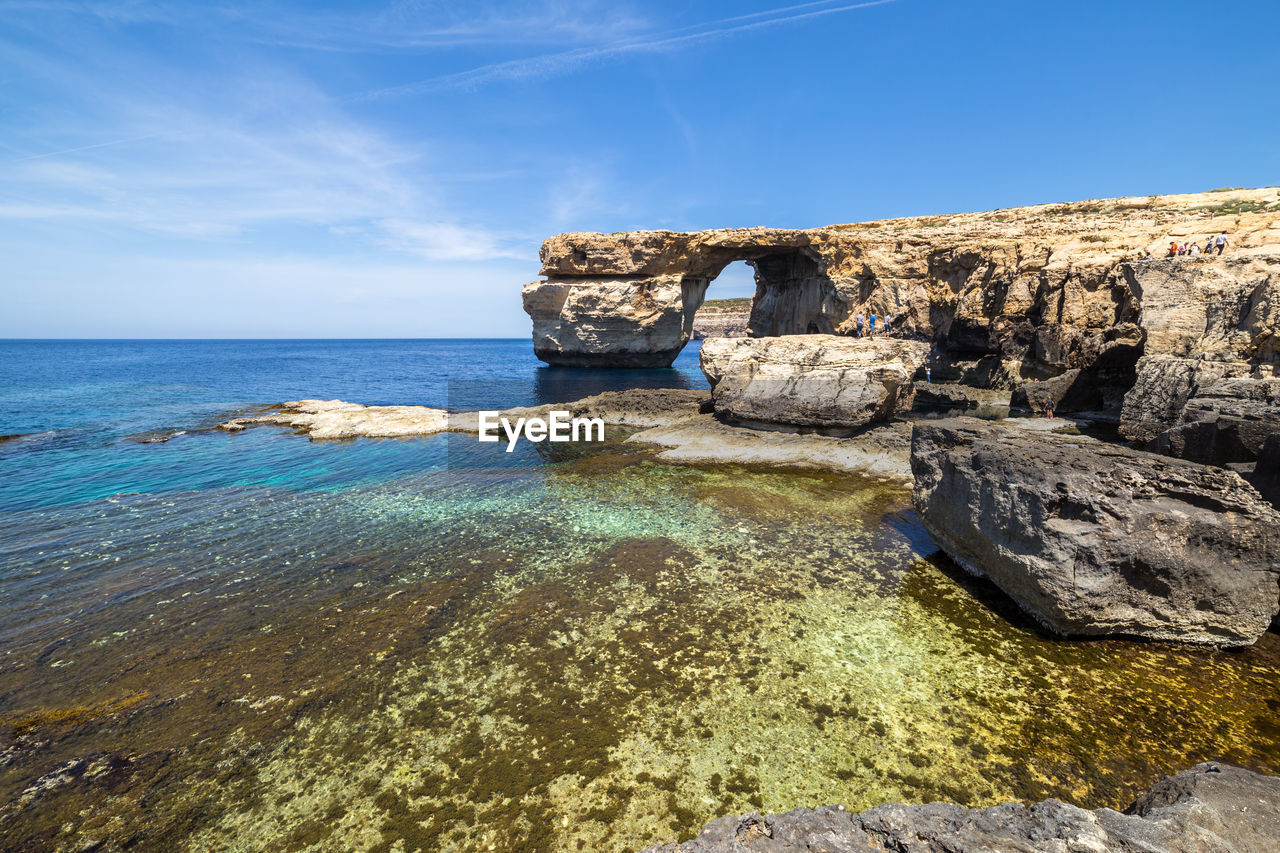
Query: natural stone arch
column 629, row 300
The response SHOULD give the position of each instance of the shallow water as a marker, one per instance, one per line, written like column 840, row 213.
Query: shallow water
column 579, row 650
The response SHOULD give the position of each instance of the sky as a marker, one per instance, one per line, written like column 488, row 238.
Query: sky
column 315, row 169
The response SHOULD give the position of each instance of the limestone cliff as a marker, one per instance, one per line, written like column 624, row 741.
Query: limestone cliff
column 1004, row 296
column 722, row 318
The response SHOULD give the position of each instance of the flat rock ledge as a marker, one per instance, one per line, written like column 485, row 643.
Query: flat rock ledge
column 1211, row 808
column 335, row 419
column 1093, row 539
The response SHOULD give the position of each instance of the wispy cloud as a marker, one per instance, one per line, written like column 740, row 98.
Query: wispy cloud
column 566, row 61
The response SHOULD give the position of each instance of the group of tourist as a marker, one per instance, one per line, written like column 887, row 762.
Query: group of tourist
column 863, row 329
column 1219, row 243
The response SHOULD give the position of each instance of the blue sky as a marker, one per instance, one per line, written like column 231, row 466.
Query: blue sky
column 272, row 169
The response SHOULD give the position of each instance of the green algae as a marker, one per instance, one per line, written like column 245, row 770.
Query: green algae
column 606, row 653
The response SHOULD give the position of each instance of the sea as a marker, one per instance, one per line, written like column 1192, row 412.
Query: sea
column 255, row 641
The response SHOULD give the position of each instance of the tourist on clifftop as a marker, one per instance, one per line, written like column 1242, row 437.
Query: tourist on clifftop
column 858, row 325
column 1221, row 242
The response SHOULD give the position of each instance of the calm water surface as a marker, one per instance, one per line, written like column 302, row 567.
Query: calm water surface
column 259, row 642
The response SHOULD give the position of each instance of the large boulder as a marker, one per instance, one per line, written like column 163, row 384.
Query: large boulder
column 1211, row 808
column 820, row 381
column 1095, row 539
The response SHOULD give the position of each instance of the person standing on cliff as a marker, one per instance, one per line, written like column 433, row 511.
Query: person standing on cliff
column 928, row 374
column 871, row 329
column 858, row 325
column 887, row 329
column 1221, row 242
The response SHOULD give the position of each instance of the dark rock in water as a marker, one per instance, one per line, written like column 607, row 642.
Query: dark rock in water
column 1213, row 808
column 1226, row 421
column 1094, row 539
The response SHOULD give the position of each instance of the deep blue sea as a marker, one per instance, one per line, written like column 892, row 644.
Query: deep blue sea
column 253, row 641
column 83, row 407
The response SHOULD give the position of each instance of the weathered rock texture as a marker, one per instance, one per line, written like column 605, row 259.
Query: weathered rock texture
column 821, row 381
column 1095, row 539
column 722, row 318
column 1225, row 421
column 1211, row 808
column 1005, row 296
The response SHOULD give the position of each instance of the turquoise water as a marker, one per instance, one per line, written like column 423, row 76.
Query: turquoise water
column 259, row 642
column 83, row 407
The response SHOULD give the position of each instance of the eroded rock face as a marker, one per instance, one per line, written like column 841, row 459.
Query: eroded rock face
column 1163, row 385
column 613, row 323
column 1006, row 296
column 1226, row 421
column 820, row 381
column 1094, row 539
column 1211, row 808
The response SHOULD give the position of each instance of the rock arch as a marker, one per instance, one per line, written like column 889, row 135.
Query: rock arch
column 628, row 300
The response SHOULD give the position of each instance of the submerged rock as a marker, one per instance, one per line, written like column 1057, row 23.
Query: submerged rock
column 1094, row 539
column 821, row 381
column 1211, row 808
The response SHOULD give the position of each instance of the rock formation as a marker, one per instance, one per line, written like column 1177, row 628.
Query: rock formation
column 1224, row 422
column 820, row 381
column 1095, row 539
column 1211, row 808
column 1005, row 297
column 323, row 419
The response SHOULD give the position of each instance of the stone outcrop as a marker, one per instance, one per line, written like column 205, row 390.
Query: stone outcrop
column 722, row 318
column 1203, row 319
column 1224, row 422
column 324, row 419
column 882, row 452
column 1211, row 808
column 1161, row 389
column 1095, row 539
column 816, row 381
column 1005, row 297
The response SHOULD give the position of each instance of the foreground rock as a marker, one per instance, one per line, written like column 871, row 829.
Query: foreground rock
column 1094, row 539
column 1211, row 808
column 819, row 381
column 640, row 407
